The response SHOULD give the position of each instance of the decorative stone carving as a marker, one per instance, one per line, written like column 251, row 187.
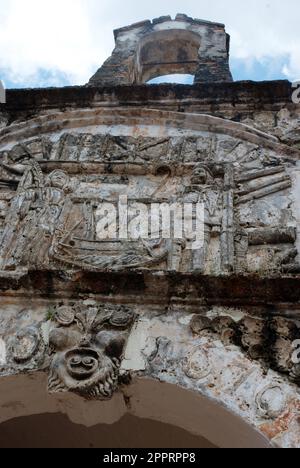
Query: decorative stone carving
column 86, row 349
column 235, row 148
column 271, row 401
column 33, row 218
column 197, row 366
column 25, row 349
column 25, row 345
column 249, row 224
column 271, row 247
column 205, row 189
column 268, row 340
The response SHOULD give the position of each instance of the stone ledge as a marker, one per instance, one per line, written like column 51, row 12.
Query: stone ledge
column 159, row 288
column 236, row 93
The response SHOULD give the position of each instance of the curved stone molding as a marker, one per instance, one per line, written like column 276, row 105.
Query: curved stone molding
column 145, row 118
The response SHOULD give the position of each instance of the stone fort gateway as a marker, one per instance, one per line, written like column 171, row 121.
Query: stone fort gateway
column 206, row 341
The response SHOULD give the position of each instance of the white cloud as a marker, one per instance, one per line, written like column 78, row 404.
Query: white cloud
column 41, row 34
column 74, row 37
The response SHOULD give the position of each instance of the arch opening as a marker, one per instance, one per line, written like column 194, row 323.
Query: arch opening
column 183, row 78
column 57, row 431
column 186, row 410
column 169, row 52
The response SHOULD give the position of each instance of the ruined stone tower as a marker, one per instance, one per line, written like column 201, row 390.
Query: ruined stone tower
column 149, row 49
column 97, row 327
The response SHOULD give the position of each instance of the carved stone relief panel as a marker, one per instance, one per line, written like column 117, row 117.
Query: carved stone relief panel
column 53, row 193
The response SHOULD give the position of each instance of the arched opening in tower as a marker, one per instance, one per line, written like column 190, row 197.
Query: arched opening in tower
column 171, row 52
column 183, row 78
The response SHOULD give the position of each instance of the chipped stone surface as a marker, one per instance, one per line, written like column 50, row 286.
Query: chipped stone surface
column 168, row 348
column 221, row 372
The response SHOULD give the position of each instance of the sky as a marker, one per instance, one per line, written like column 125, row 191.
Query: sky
column 63, row 42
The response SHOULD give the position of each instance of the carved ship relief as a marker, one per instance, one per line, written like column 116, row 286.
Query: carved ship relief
column 53, row 217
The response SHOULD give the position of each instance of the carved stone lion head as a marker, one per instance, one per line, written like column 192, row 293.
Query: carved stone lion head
column 87, row 347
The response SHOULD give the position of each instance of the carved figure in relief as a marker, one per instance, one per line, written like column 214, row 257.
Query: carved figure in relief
column 42, row 230
column 22, row 210
column 33, row 218
column 204, row 189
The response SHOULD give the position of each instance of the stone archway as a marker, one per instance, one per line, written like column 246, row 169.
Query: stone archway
column 166, row 53
column 207, row 422
column 173, row 371
column 203, row 345
column 56, row 431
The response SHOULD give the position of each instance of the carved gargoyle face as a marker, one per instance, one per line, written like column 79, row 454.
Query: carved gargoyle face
column 87, row 347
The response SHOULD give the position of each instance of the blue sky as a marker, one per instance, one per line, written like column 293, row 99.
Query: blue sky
column 243, row 69
column 63, row 42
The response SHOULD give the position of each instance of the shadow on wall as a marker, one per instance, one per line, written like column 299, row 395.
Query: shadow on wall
column 56, row 431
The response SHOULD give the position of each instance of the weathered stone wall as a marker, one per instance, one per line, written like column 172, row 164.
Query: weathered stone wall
column 139, row 326
column 266, row 105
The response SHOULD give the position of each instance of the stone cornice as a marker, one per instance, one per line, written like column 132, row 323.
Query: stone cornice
column 209, row 98
column 158, row 288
